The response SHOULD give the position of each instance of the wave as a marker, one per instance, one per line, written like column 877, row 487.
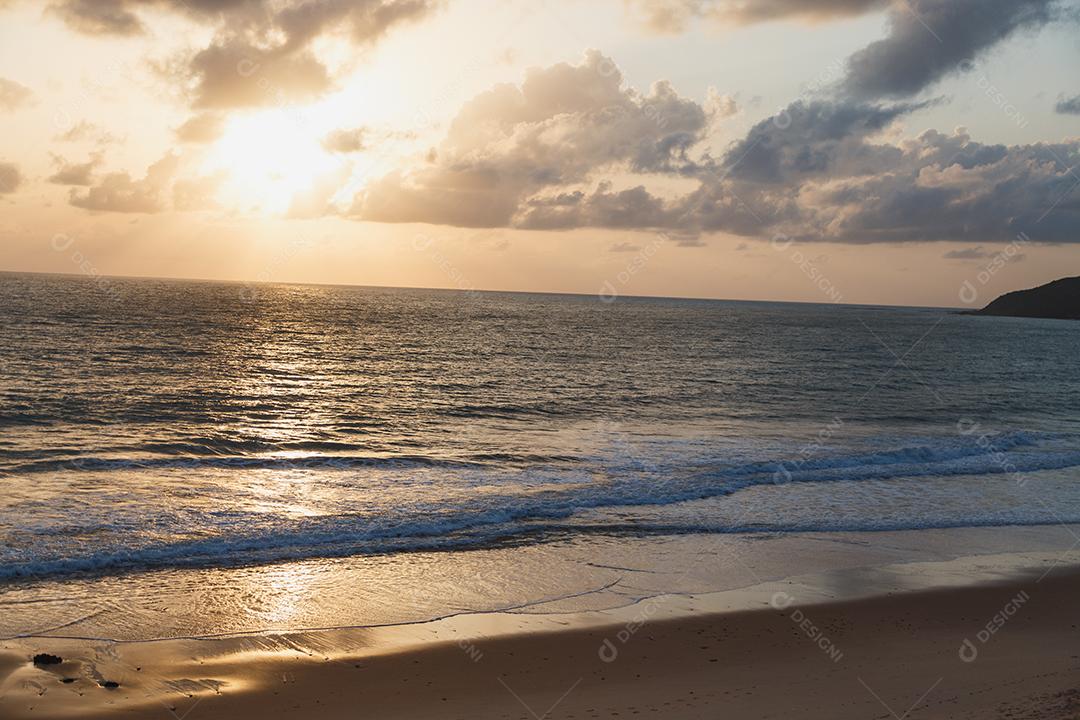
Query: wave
column 258, row 454
column 947, row 457
column 16, row 419
column 517, row 509
column 257, row 550
column 253, row 462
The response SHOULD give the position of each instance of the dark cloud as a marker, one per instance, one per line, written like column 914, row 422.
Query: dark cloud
column 75, row 173
column 10, row 178
column 669, row 16
column 121, row 17
column 948, row 187
column 534, row 157
column 237, row 74
column 201, row 128
column 300, row 21
column 807, row 139
column 1068, row 106
column 934, row 187
column 634, row 208
column 929, row 39
column 98, row 17
column 510, row 143
column 119, row 192
column 346, row 141
column 13, row 95
column 524, row 156
column 364, row 20
column 754, row 188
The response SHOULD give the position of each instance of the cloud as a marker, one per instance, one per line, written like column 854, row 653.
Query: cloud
column 10, row 178
column 949, row 187
column 559, row 126
column 365, row 20
column 719, row 105
column 262, row 52
column 119, row 192
column 121, row 17
column 755, row 185
column 836, row 180
column 535, row 157
column 687, row 239
column 237, row 74
column 13, row 95
column 201, row 128
column 345, row 141
column 1068, row 106
column 971, row 253
column 672, row 16
column 621, row 247
column 633, row 208
column 85, row 131
column 75, row 173
column 929, row 39
column 807, row 139
column 980, row 253
column 573, row 147
column 98, row 17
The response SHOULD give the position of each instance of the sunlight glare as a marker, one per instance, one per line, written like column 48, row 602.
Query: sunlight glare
column 270, row 158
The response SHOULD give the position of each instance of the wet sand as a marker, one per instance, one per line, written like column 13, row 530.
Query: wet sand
column 891, row 655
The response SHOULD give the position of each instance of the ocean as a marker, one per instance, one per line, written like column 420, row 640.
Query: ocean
column 166, row 437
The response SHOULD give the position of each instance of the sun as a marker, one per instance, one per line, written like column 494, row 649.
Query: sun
column 269, row 158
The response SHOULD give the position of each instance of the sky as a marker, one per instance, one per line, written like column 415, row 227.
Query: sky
column 905, row 152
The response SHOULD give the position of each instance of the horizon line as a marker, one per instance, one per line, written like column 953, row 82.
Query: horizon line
column 90, row 277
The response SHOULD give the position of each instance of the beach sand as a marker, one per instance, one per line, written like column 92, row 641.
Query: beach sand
column 893, row 655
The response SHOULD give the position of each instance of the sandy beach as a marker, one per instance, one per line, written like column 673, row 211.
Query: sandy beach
column 1005, row 649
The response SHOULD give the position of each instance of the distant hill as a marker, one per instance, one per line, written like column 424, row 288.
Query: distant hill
column 1059, row 299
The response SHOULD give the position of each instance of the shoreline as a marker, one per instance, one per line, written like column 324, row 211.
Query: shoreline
column 585, row 579
column 779, row 642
